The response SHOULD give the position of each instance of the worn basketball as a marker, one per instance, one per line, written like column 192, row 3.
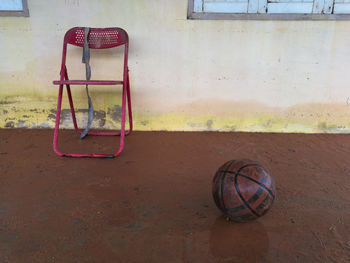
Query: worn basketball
column 243, row 190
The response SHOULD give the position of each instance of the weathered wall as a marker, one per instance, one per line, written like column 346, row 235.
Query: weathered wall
column 288, row 76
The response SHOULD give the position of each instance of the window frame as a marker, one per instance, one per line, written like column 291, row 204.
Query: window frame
column 17, row 13
column 249, row 16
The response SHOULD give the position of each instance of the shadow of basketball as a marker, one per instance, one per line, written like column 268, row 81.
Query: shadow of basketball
column 238, row 242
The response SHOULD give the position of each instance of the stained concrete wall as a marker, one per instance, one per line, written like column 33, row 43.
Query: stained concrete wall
column 279, row 76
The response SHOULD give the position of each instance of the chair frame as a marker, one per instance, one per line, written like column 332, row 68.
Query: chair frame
column 73, row 37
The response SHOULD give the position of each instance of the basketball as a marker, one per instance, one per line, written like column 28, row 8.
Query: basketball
column 243, row 190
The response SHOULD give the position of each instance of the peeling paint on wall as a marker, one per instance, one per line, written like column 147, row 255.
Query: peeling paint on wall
column 244, row 116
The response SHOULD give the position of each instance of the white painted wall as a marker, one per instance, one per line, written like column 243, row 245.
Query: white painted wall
column 241, row 75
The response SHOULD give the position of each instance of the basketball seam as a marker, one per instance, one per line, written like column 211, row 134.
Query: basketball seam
column 240, row 195
column 243, row 200
column 249, row 178
column 253, row 180
column 257, row 182
column 259, row 206
column 255, row 196
column 221, row 186
column 255, row 164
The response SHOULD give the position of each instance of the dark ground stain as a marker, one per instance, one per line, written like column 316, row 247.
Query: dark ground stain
column 200, row 214
column 30, row 146
column 136, row 226
column 7, row 236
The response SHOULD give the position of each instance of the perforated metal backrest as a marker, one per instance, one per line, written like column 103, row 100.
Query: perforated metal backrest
column 99, row 38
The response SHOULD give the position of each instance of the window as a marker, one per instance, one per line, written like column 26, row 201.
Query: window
column 270, row 9
column 14, row 8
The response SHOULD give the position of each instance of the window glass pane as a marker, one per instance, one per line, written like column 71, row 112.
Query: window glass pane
column 342, row 8
column 226, row 6
column 290, row 7
column 11, row 5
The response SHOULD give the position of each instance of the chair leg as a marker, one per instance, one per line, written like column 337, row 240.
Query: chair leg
column 122, row 131
column 71, row 102
column 57, row 123
column 126, row 99
column 122, row 128
column 127, row 90
column 129, row 105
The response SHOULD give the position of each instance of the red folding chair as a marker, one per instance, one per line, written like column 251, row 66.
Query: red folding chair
column 98, row 38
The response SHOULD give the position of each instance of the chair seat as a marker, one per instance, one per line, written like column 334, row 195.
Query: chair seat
column 87, row 82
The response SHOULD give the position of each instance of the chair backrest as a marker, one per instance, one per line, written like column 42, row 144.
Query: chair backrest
column 99, row 38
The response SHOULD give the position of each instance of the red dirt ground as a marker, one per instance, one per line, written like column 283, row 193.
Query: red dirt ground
column 154, row 203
